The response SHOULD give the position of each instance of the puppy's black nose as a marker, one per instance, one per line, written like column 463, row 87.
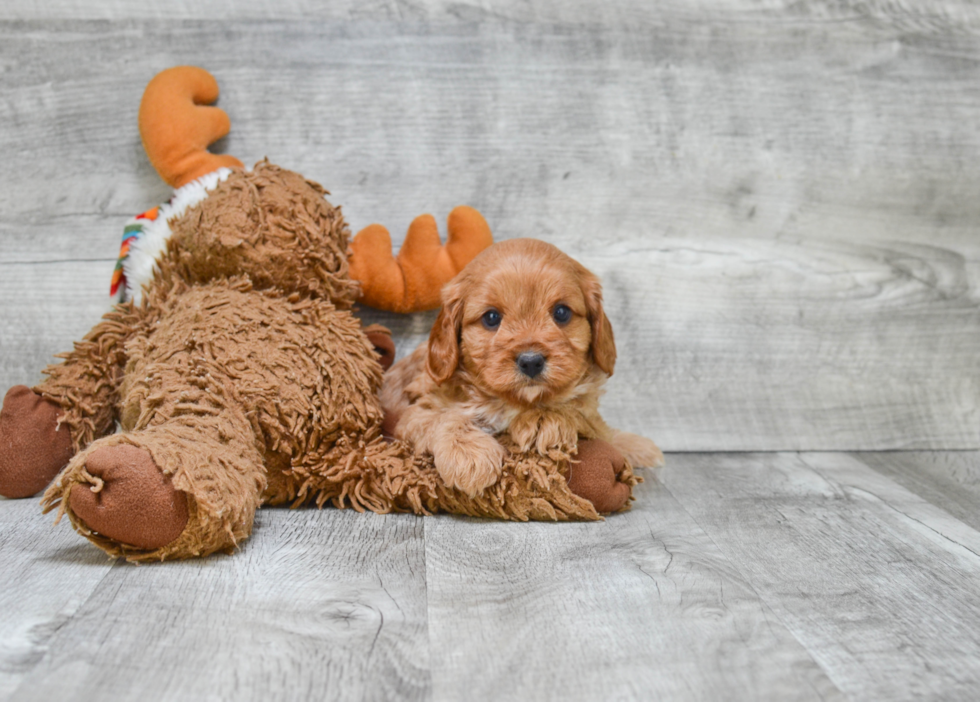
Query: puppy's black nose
column 531, row 363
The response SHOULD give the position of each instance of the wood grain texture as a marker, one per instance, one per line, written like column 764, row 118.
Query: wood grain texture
column 32, row 326
column 317, row 605
column 642, row 606
column 949, row 15
column 877, row 584
column 782, row 207
column 948, row 479
column 734, row 576
column 46, row 577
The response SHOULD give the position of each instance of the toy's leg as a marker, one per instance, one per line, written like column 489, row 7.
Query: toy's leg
column 40, row 430
column 596, row 473
column 366, row 473
column 389, row 477
column 187, row 487
column 33, row 446
column 125, row 497
column 86, row 383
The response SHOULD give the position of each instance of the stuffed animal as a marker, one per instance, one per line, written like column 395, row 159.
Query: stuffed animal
column 238, row 372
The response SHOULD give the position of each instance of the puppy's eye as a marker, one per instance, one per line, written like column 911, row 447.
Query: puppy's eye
column 562, row 314
column 491, row 319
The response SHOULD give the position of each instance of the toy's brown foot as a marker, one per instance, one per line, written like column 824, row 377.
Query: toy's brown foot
column 383, row 345
column 127, row 498
column 33, row 448
column 593, row 475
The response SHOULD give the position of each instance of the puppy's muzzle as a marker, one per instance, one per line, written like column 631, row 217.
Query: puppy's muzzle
column 531, row 363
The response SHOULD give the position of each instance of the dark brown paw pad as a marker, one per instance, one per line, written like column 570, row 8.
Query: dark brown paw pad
column 33, row 448
column 127, row 499
column 593, row 474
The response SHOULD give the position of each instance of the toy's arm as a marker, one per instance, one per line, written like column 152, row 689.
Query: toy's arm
column 412, row 281
column 177, row 125
column 42, row 428
column 86, row 383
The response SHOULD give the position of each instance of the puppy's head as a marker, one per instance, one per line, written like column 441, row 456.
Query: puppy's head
column 525, row 321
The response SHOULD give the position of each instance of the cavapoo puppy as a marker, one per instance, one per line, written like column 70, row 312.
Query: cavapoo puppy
column 520, row 346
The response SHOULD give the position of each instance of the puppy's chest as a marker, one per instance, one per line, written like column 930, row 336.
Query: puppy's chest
column 499, row 417
column 492, row 417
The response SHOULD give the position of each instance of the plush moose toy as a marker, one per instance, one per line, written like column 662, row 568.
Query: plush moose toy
column 238, row 373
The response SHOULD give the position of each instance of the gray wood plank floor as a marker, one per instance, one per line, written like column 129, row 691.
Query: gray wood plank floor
column 735, row 576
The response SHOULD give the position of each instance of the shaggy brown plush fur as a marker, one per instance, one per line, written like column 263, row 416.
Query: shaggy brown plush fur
column 247, row 380
column 273, row 226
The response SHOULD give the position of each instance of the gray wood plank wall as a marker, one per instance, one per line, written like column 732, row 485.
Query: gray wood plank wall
column 780, row 196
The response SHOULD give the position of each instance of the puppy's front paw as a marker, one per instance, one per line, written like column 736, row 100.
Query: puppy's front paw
column 555, row 434
column 638, row 450
column 471, row 462
column 523, row 429
column 543, row 431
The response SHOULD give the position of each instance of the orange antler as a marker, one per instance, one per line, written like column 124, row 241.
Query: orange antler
column 177, row 126
column 412, row 282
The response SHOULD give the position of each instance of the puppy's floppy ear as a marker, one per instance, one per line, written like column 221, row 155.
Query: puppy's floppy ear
column 603, row 343
column 443, row 356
